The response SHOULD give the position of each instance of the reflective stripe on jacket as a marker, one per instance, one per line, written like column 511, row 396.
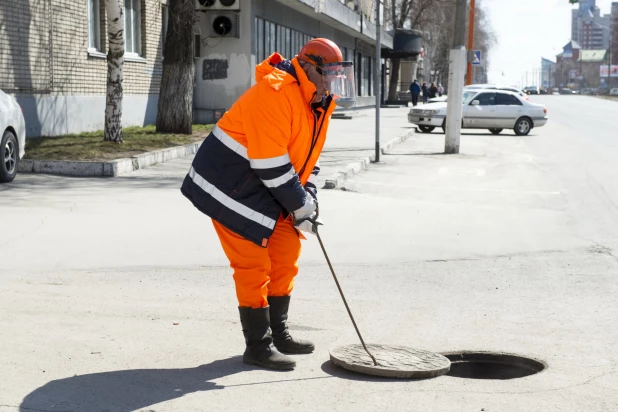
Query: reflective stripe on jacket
column 261, row 158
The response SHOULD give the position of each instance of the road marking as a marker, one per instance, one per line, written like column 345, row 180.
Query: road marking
column 527, row 192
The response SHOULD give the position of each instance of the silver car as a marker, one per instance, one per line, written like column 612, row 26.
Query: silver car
column 13, row 141
column 490, row 109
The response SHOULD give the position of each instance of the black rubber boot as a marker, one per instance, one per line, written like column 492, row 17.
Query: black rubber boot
column 260, row 349
column 278, row 324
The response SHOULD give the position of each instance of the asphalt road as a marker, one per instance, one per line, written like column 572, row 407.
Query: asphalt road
column 116, row 296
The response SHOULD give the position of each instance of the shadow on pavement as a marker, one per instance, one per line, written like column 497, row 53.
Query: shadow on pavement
column 129, row 390
column 56, row 182
column 331, row 369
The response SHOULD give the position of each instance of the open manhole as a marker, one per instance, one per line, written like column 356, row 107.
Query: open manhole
column 487, row 365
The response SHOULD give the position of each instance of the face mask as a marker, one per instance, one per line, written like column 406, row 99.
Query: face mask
column 339, row 82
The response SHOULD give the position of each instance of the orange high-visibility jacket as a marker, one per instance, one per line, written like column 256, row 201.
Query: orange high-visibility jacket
column 261, row 158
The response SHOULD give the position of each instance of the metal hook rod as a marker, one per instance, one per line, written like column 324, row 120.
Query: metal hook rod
column 315, row 226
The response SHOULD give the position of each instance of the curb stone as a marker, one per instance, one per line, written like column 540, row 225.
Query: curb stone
column 110, row 168
column 336, row 181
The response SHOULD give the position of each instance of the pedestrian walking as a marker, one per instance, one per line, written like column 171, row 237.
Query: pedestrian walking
column 425, row 91
column 440, row 90
column 415, row 91
column 255, row 177
column 433, row 91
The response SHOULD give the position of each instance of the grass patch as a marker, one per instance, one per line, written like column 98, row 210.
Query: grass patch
column 90, row 146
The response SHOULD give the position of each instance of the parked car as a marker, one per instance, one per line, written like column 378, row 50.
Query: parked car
column 484, row 109
column 437, row 99
column 566, row 91
column 480, row 86
column 614, row 92
column 13, row 140
column 477, row 87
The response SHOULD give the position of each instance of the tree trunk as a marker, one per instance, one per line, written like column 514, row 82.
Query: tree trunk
column 394, row 80
column 115, row 63
column 175, row 109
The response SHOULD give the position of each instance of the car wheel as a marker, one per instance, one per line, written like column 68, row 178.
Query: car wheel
column 523, row 126
column 10, row 157
column 444, row 126
column 426, row 129
column 495, row 131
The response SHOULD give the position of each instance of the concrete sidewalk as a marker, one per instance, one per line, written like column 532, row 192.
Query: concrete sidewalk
column 350, row 147
column 350, row 143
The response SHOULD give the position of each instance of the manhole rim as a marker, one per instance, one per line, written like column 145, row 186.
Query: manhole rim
column 516, row 359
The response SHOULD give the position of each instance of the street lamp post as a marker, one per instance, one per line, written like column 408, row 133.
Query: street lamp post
column 377, row 79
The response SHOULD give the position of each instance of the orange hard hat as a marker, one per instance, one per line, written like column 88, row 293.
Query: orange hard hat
column 320, row 51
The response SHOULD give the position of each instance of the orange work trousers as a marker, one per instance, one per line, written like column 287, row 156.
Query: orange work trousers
column 261, row 272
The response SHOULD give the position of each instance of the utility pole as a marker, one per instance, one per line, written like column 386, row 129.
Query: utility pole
column 609, row 65
column 470, row 75
column 377, row 77
column 457, row 66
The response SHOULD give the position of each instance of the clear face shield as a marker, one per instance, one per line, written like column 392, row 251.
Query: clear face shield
column 339, row 82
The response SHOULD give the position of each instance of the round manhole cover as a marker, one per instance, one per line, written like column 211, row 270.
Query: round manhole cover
column 393, row 361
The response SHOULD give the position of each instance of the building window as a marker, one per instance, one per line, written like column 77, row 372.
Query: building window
column 359, row 75
column 94, row 28
column 288, row 41
column 132, row 27
column 259, row 39
column 271, row 37
column 270, row 31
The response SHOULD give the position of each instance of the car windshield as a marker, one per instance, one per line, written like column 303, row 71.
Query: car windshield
column 467, row 96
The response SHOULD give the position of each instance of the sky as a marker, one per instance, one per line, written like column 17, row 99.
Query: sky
column 528, row 30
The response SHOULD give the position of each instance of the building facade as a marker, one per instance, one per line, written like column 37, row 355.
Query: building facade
column 548, row 68
column 53, row 60
column 588, row 27
column 53, row 54
column 268, row 26
column 589, row 67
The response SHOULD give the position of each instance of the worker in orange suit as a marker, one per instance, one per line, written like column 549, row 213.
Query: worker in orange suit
column 255, row 176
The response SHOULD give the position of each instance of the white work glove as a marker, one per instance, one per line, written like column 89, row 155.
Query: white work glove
column 306, row 216
column 309, row 224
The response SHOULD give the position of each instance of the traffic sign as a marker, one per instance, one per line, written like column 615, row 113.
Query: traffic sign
column 476, row 58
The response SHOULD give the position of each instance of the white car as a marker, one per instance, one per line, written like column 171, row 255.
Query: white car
column 614, row 92
column 477, row 87
column 13, row 141
column 495, row 110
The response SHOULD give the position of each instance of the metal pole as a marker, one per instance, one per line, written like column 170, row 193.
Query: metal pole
column 345, row 302
column 470, row 77
column 377, row 78
column 456, row 78
column 609, row 65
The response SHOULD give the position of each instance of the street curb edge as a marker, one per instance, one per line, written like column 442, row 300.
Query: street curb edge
column 336, row 181
column 111, row 168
